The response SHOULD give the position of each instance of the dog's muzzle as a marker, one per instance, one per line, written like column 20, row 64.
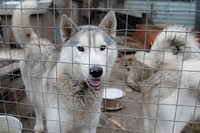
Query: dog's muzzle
column 95, row 80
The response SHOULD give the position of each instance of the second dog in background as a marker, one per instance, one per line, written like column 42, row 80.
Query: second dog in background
column 171, row 93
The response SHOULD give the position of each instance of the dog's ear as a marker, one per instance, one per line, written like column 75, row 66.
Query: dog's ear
column 109, row 23
column 67, row 27
column 145, row 58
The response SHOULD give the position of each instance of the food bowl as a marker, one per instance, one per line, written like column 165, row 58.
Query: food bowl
column 112, row 99
column 9, row 124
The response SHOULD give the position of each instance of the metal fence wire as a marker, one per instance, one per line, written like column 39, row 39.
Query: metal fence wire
column 105, row 66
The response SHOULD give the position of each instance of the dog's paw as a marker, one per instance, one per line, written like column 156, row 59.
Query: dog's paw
column 39, row 128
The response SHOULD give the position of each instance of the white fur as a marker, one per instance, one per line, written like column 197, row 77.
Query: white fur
column 91, row 56
column 171, row 94
column 22, row 27
column 53, row 78
column 161, row 52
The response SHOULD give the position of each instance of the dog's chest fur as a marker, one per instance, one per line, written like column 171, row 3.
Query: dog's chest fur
column 71, row 92
column 71, row 98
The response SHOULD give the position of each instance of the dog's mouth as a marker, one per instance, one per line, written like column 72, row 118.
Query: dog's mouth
column 95, row 83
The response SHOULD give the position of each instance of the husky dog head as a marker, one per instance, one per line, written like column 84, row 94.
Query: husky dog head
column 89, row 51
column 173, row 45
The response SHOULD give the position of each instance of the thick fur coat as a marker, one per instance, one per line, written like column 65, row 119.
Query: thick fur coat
column 171, row 94
column 65, row 86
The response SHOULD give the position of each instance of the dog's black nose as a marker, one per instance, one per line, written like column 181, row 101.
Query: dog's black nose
column 96, row 71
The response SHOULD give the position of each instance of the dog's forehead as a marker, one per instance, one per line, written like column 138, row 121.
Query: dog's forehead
column 93, row 36
column 90, row 36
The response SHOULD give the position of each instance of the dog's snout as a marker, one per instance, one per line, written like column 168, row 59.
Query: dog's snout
column 96, row 71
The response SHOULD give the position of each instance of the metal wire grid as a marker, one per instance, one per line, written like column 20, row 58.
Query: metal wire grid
column 130, row 117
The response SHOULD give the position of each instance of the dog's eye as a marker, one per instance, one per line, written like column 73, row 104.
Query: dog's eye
column 103, row 47
column 175, row 52
column 81, row 49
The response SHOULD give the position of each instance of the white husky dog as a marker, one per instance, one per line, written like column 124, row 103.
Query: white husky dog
column 65, row 86
column 171, row 94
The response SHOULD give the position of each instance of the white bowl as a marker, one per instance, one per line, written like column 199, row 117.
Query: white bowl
column 9, row 124
column 113, row 93
column 112, row 99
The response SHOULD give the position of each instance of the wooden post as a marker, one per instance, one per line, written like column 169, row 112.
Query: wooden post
column 67, row 7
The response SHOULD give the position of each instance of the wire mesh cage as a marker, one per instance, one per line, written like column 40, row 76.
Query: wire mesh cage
column 99, row 66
